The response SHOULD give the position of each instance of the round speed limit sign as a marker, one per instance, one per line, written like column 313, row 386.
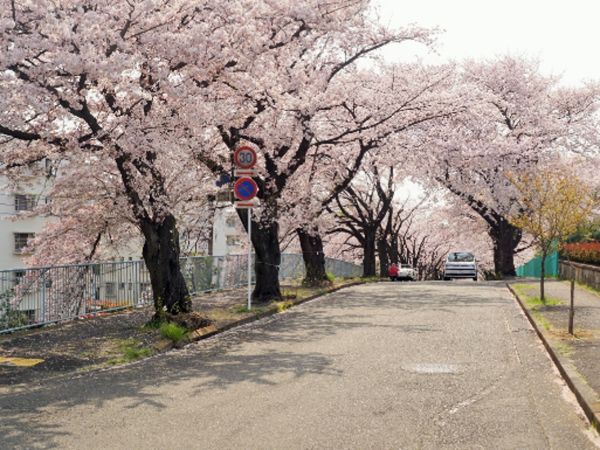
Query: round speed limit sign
column 244, row 157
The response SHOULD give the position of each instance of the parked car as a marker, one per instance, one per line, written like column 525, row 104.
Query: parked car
column 406, row 272
column 460, row 265
column 401, row 272
column 393, row 272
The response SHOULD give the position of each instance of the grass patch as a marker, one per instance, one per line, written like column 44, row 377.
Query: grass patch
column 523, row 288
column 132, row 354
column 534, row 302
column 172, row 331
column 526, row 292
column 541, row 320
column 131, row 350
column 242, row 309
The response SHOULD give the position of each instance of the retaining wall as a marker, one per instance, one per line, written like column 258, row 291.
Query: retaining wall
column 583, row 273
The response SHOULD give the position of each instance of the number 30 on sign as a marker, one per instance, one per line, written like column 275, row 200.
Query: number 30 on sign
column 244, row 157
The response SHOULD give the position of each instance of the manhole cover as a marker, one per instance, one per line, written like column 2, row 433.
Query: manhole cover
column 431, row 368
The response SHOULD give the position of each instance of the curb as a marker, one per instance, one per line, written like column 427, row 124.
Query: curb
column 586, row 397
column 165, row 345
column 211, row 330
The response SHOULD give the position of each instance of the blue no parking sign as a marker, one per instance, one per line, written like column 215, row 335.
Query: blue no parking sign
column 245, row 189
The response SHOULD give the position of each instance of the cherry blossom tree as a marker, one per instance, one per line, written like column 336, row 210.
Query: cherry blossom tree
column 385, row 104
column 118, row 81
column 283, row 104
column 517, row 120
column 421, row 226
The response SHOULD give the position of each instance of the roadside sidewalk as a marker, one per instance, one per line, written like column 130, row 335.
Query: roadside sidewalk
column 80, row 345
column 579, row 355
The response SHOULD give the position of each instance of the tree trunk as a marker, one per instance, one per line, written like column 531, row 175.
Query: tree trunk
column 542, row 276
column 384, row 261
column 161, row 255
column 394, row 254
column 267, row 258
column 506, row 238
column 314, row 258
column 369, row 262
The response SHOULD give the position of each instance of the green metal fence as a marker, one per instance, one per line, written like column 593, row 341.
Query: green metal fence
column 533, row 268
column 41, row 295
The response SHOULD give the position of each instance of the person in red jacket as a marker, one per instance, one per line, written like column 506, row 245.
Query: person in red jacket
column 393, row 272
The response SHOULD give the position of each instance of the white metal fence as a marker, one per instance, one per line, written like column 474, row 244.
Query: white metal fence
column 41, row 295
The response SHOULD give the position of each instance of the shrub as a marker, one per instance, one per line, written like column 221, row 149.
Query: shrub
column 330, row 277
column 172, row 331
column 584, row 252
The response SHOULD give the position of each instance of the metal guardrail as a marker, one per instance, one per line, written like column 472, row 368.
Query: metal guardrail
column 42, row 295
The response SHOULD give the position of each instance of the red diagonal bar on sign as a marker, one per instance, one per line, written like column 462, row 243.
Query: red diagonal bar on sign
column 245, row 189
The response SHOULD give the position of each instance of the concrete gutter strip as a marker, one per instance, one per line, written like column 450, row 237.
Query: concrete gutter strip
column 586, row 396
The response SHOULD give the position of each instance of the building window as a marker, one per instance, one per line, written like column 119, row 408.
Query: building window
column 233, row 240
column 231, row 221
column 24, row 202
column 21, row 240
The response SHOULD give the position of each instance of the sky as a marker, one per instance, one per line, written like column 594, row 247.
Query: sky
column 563, row 35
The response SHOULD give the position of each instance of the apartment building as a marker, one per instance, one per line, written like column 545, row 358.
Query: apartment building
column 228, row 235
column 15, row 233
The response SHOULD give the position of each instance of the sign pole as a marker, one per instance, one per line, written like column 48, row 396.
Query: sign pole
column 245, row 189
column 249, row 258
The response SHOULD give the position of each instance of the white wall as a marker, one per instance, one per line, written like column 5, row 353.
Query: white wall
column 229, row 238
column 9, row 259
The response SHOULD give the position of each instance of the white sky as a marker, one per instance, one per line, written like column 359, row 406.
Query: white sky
column 563, row 34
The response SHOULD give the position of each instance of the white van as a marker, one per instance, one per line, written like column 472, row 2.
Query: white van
column 460, row 265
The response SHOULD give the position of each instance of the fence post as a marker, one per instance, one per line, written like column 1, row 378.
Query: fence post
column 43, row 312
column 572, row 306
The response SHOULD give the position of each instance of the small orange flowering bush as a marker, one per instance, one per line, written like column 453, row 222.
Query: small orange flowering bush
column 584, row 252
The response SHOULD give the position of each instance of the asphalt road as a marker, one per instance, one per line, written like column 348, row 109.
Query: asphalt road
column 388, row 365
